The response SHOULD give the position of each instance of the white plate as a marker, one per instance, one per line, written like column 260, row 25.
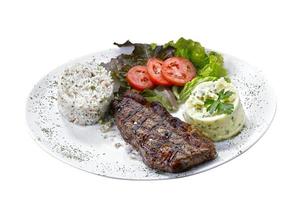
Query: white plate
column 106, row 154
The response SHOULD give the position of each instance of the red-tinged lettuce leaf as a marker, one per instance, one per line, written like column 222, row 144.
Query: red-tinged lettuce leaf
column 120, row 65
column 139, row 56
column 146, row 51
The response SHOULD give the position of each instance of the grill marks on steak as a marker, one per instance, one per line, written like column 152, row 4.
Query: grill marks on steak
column 165, row 143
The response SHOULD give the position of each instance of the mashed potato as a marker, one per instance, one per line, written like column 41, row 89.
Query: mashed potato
column 216, row 125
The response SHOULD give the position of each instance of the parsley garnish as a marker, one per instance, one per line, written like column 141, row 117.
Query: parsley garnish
column 221, row 105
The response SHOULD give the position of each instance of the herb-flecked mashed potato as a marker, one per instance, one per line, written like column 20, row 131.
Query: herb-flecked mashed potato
column 215, row 108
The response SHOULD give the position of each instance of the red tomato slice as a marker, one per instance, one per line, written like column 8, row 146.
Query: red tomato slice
column 138, row 78
column 178, row 71
column 154, row 67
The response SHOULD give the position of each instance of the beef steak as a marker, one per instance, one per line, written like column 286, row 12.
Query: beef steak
column 165, row 142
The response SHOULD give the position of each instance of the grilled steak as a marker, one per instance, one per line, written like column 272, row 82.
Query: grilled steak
column 165, row 142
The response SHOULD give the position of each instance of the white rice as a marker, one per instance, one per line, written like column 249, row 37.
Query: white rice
column 84, row 93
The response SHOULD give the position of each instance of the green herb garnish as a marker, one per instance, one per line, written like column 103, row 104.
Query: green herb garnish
column 93, row 87
column 221, row 105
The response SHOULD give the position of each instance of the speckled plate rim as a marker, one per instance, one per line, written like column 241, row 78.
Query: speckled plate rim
column 244, row 149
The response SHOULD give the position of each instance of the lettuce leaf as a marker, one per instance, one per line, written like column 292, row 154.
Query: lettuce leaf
column 213, row 70
column 163, row 95
column 190, row 50
column 215, row 66
column 189, row 86
column 120, row 65
column 176, row 91
column 139, row 56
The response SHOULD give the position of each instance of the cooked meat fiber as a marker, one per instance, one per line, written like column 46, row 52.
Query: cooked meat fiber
column 165, row 143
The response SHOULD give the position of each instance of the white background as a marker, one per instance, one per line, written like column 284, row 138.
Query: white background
column 37, row 36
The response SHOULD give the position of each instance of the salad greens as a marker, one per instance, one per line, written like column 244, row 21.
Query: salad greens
column 209, row 66
column 214, row 67
column 139, row 56
column 120, row 65
column 190, row 50
column 163, row 95
column 176, row 91
column 189, row 86
column 213, row 70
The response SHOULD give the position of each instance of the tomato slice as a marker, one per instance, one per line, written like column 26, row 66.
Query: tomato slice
column 154, row 67
column 178, row 71
column 138, row 78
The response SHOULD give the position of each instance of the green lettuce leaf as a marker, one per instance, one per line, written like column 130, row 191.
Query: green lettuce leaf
column 189, row 86
column 190, row 50
column 215, row 66
column 213, row 70
column 176, row 91
column 163, row 95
